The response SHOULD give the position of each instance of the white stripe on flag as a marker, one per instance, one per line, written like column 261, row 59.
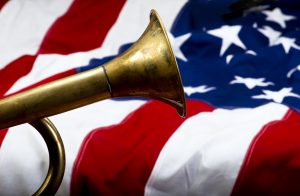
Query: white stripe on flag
column 24, row 25
column 205, row 154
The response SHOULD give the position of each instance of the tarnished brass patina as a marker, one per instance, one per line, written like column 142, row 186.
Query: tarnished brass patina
column 147, row 69
column 56, row 156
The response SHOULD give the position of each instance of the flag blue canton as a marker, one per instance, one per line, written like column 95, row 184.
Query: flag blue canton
column 242, row 61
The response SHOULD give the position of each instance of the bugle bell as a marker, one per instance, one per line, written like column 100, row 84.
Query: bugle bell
column 148, row 69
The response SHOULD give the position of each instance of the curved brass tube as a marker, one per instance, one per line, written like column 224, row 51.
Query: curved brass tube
column 56, row 156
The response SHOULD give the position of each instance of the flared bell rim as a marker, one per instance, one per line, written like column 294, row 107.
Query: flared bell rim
column 181, row 105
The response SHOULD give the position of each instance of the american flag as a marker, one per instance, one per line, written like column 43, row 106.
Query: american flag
column 241, row 76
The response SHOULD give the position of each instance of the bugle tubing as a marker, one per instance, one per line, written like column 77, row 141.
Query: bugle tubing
column 147, row 69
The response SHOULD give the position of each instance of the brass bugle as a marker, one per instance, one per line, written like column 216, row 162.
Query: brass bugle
column 147, row 69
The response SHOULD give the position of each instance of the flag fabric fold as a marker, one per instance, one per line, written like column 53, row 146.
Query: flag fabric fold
column 240, row 71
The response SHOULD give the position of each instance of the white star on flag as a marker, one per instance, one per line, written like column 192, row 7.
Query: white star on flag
column 290, row 73
column 278, row 17
column 287, row 43
column 189, row 90
column 271, row 34
column 251, row 52
column 251, row 82
column 177, row 42
column 229, row 58
column 275, row 38
column 277, row 96
column 229, row 35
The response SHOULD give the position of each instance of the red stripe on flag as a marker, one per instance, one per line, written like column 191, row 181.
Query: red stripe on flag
column 2, row 135
column 83, row 27
column 15, row 70
column 118, row 160
column 2, row 3
column 272, row 164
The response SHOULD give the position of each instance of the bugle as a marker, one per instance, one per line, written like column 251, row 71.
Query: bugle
column 147, row 69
